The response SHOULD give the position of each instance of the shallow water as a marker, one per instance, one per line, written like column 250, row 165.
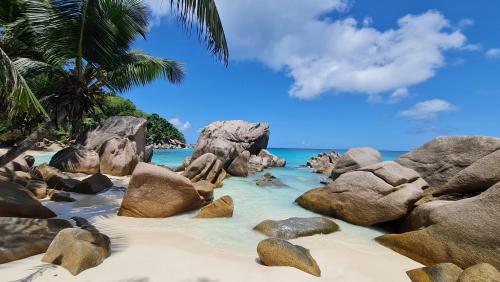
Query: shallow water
column 252, row 205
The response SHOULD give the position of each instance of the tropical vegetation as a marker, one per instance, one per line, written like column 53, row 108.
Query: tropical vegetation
column 60, row 58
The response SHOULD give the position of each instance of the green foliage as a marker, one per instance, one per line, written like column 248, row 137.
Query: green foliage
column 118, row 106
column 160, row 129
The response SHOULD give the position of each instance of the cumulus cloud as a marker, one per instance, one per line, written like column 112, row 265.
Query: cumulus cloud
column 431, row 130
column 493, row 53
column 323, row 55
column 180, row 124
column 428, row 110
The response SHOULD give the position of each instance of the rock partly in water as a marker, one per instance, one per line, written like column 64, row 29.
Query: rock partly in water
column 207, row 167
column 278, row 252
column 222, row 207
column 442, row 272
column 269, row 180
column 93, row 184
column 148, row 153
column 324, row 162
column 227, row 139
column 354, row 159
column 76, row 159
column 367, row 197
column 205, row 189
column 481, row 272
column 464, row 232
column 78, row 249
column 17, row 201
column 156, row 192
column 239, row 166
column 266, row 160
column 24, row 237
column 120, row 142
column 444, row 157
column 296, row 227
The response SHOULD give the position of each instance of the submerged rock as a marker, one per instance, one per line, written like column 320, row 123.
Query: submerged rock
column 227, row 139
column 367, row 197
column 17, row 201
column 296, row 227
column 57, row 196
column 464, row 232
column 155, row 191
column 24, row 237
column 278, row 252
column 443, row 272
column 78, row 249
column 222, row 207
column 268, row 180
column 76, row 159
column 354, row 159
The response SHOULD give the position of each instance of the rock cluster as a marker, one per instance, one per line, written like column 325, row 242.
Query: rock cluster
column 324, row 162
column 49, row 145
column 170, row 144
column 269, row 180
column 443, row 196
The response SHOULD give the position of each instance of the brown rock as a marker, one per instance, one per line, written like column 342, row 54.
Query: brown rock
column 38, row 188
column 78, row 249
column 481, row 272
column 76, row 159
column 18, row 164
column 239, row 166
column 442, row 158
column 206, row 167
column 154, row 191
column 205, row 189
column 24, row 237
column 464, row 232
column 278, row 252
column 17, row 201
column 119, row 157
column 58, row 196
column 93, row 184
column 222, row 207
column 442, row 272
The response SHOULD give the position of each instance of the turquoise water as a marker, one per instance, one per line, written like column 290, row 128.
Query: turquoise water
column 294, row 157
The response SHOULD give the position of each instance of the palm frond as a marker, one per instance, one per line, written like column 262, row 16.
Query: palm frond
column 16, row 95
column 141, row 69
column 204, row 13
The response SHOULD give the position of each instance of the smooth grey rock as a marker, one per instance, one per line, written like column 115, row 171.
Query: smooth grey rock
column 295, row 227
column 239, row 166
column 76, row 159
column 356, row 158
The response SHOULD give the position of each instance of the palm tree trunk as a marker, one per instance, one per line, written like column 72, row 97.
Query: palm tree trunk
column 21, row 147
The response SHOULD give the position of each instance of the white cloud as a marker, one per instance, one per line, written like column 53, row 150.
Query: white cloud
column 428, row 110
column 180, row 124
column 398, row 95
column 463, row 23
column 324, row 55
column 493, row 53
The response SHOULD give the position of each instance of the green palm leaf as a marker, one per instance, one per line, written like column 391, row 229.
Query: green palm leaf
column 15, row 93
column 141, row 69
column 204, row 13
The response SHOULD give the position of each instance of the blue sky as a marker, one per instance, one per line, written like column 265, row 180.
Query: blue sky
column 390, row 74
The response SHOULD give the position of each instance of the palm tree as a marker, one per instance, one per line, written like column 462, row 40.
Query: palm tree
column 85, row 48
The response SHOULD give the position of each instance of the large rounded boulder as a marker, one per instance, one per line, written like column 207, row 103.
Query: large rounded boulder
column 444, row 157
column 464, row 232
column 375, row 194
column 17, row 201
column 156, row 191
column 76, row 159
column 355, row 158
column 120, row 142
column 295, row 227
column 227, row 139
